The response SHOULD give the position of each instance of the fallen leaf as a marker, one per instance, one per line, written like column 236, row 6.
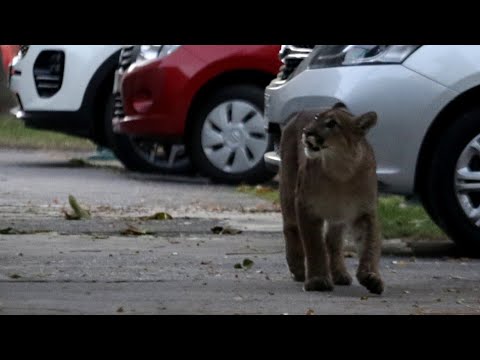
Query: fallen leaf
column 453, row 290
column 78, row 212
column 237, row 266
column 6, row 231
column 217, row 230
column 120, row 310
column 12, row 231
column 259, row 189
column 247, row 263
column 159, row 216
column 310, row 312
column 135, row 231
column 220, row 230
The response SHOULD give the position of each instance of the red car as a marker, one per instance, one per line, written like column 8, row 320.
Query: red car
column 195, row 106
column 8, row 53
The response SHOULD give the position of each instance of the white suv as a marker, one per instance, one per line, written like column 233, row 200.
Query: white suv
column 66, row 88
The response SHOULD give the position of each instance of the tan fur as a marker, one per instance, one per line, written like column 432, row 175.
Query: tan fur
column 328, row 183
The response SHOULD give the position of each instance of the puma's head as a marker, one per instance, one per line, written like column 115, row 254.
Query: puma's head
column 336, row 133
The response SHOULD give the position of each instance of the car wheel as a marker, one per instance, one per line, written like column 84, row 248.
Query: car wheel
column 454, row 181
column 229, row 140
column 143, row 155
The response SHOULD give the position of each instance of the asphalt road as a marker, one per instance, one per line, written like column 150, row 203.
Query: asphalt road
column 49, row 265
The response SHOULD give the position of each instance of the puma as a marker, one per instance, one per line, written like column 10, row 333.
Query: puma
column 328, row 184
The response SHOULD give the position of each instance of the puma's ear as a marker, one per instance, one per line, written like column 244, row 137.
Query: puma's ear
column 339, row 105
column 366, row 121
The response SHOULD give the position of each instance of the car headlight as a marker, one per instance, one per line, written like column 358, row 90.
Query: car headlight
column 348, row 55
column 24, row 49
column 151, row 52
column 167, row 50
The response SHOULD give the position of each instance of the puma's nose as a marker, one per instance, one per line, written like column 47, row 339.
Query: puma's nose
column 314, row 138
column 308, row 133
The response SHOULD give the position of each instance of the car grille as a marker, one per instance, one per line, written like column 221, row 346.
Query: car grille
column 292, row 56
column 128, row 56
column 48, row 72
column 118, row 111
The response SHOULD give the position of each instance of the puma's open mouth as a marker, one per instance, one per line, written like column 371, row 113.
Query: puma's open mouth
column 309, row 144
column 313, row 147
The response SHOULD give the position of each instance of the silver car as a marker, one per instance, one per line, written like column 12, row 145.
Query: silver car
column 427, row 141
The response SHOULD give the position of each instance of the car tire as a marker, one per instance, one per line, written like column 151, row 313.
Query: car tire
column 455, row 156
column 241, row 136
column 130, row 153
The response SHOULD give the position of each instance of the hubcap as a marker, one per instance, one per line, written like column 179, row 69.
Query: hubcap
column 233, row 136
column 467, row 181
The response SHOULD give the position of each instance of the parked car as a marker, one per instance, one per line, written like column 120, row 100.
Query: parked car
column 8, row 53
column 66, row 88
column 202, row 103
column 427, row 141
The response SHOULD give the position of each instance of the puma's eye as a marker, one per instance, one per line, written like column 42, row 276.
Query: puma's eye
column 330, row 124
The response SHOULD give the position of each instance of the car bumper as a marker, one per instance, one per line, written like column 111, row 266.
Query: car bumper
column 272, row 160
column 405, row 101
column 154, row 96
column 146, row 125
column 67, row 122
